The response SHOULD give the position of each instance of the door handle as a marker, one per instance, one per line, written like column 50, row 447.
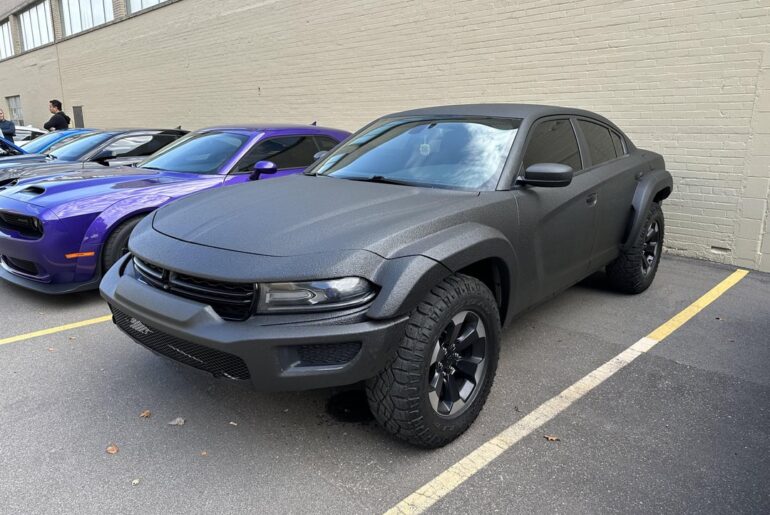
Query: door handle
column 592, row 199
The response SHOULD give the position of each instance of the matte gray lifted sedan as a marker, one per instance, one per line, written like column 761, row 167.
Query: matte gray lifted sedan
column 396, row 258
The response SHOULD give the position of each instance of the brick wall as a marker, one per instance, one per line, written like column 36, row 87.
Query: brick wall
column 686, row 78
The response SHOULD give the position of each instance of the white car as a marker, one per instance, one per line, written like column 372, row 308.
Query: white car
column 26, row 133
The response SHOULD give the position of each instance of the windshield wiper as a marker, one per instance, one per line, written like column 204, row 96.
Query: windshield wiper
column 377, row 178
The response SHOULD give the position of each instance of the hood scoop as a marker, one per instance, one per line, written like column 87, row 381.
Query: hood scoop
column 32, row 190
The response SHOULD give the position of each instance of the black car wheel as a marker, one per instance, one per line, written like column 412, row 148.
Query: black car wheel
column 634, row 270
column 117, row 244
column 444, row 367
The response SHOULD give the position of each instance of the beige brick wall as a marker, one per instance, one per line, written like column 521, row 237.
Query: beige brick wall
column 686, row 78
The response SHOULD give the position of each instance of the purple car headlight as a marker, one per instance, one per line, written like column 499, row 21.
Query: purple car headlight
column 326, row 295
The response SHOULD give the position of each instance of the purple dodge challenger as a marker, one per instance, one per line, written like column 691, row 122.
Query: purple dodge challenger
column 60, row 232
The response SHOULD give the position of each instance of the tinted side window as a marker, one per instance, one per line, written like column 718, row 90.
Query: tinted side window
column 553, row 141
column 325, row 143
column 599, row 141
column 285, row 152
column 617, row 141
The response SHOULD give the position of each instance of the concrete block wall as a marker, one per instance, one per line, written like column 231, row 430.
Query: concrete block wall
column 686, row 78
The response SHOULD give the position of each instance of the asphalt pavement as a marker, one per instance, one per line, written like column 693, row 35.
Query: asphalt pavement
column 684, row 428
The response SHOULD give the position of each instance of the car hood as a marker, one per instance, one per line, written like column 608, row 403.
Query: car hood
column 9, row 163
column 44, row 167
column 300, row 214
column 94, row 189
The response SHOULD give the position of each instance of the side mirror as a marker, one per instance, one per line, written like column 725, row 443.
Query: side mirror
column 103, row 156
column 319, row 155
column 548, row 175
column 261, row 167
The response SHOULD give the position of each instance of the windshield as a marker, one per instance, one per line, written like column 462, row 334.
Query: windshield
column 461, row 153
column 43, row 143
column 198, row 152
column 81, row 146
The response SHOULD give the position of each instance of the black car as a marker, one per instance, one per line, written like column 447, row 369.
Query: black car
column 104, row 147
column 396, row 258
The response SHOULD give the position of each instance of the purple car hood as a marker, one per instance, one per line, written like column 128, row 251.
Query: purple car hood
column 94, row 189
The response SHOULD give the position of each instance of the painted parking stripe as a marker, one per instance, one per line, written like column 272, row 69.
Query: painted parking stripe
column 54, row 330
column 454, row 476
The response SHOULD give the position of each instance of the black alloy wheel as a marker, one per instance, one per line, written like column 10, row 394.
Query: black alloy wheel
column 457, row 364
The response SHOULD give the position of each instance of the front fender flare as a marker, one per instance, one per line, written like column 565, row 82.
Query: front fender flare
column 102, row 226
column 409, row 274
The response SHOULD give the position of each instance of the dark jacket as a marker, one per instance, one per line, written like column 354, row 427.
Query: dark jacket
column 59, row 121
column 8, row 129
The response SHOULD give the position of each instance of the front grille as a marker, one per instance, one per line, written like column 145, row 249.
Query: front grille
column 26, row 225
column 318, row 355
column 218, row 363
column 20, row 265
column 231, row 301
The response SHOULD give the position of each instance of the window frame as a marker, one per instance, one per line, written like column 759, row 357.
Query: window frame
column 584, row 141
column 531, row 131
column 6, row 40
column 25, row 25
column 130, row 10
column 65, row 9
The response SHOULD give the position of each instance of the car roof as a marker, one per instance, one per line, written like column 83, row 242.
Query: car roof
column 253, row 127
column 521, row 111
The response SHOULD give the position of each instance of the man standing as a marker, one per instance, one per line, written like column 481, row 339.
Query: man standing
column 59, row 121
column 7, row 127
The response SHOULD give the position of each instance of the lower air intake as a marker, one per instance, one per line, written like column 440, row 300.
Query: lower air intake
column 218, row 363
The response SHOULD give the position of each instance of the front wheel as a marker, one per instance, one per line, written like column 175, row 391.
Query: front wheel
column 117, row 244
column 444, row 367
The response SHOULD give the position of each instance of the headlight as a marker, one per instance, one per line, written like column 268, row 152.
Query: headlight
column 315, row 295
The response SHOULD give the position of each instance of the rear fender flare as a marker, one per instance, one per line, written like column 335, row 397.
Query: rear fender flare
column 652, row 183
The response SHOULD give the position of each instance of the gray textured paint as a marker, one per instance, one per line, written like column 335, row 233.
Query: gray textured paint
column 404, row 239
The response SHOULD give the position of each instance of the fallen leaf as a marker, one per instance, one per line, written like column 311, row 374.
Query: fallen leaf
column 178, row 421
column 145, row 414
column 112, row 449
column 233, row 423
column 73, row 337
column 134, row 482
column 552, row 438
column 204, row 453
column 51, row 349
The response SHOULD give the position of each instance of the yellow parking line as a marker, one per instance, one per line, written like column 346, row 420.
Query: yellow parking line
column 436, row 489
column 53, row 330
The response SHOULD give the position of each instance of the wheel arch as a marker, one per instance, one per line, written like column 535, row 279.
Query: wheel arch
column 655, row 186
column 471, row 249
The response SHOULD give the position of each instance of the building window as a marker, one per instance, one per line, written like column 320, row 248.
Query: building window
column 80, row 15
column 14, row 105
column 138, row 5
column 36, row 27
column 6, row 44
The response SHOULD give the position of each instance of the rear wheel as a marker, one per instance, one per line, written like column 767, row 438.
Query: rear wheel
column 634, row 270
column 117, row 244
column 444, row 367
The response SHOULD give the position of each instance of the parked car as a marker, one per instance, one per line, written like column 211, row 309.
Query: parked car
column 28, row 133
column 112, row 147
column 53, row 140
column 9, row 149
column 396, row 258
column 59, row 232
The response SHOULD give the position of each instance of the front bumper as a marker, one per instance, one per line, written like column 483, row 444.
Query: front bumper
column 39, row 263
column 275, row 352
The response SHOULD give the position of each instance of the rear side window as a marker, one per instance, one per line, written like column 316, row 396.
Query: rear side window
column 553, row 141
column 325, row 143
column 617, row 141
column 600, row 145
column 285, row 152
column 143, row 145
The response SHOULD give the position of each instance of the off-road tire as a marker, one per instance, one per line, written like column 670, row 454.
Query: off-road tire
column 117, row 243
column 626, row 273
column 399, row 395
